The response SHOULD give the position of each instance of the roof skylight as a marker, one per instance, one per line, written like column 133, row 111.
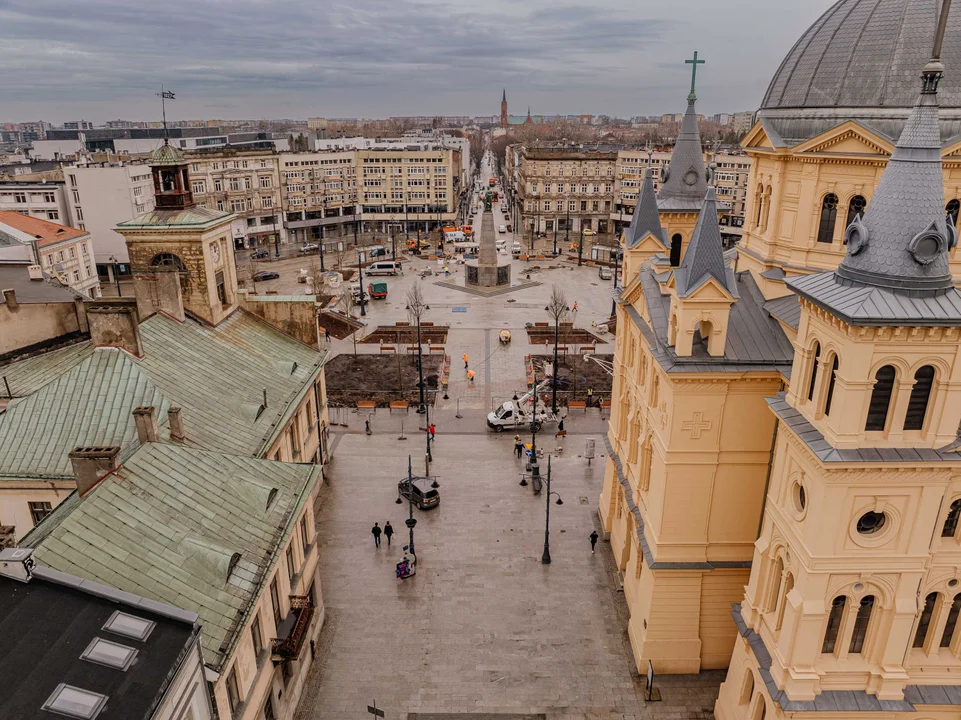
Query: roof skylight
column 75, row 702
column 111, row 654
column 129, row 625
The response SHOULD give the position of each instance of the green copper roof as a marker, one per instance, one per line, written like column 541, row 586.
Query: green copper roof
column 217, row 375
column 167, row 154
column 196, row 217
column 167, row 525
column 90, row 404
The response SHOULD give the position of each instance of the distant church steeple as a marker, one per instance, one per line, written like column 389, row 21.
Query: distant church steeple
column 528, row 121
column 504, row 110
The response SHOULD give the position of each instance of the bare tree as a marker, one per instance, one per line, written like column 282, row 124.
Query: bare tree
column 557, row 309
column 347, row 303
column 416, row 308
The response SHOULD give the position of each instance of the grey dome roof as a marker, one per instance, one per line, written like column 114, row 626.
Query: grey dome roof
column 861, row 60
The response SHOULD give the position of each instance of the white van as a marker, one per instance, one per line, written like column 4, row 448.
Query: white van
column 385, row 267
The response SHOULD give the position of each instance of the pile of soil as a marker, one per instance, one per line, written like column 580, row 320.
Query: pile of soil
column 381, row 378
column 403, row 335
column 574, row 376
column 566, row 336
column 340, row 325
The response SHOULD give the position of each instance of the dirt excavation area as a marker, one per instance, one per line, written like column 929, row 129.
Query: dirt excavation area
column 381, row 378
column 542, row 334
column 407, row 335
column 575, row 375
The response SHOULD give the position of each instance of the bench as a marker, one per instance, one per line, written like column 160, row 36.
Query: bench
column 366, row 405
column 542, row 324
column 413, row 348
column 605, row 404
column 427, row 323
column 388, row 348
column 402, row 323
column 577, row 405
column 436, row 349
column 399, row 405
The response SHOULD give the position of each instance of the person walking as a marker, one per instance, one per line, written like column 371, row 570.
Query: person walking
column 574, row 307
column 465, row 361
column 560, row 429
column 388, row 531
column 590, row 397
column 470, row 376
column 518, row 446
column 593, row 540
column 431, row 428
column 326, row 334
column 376, row 531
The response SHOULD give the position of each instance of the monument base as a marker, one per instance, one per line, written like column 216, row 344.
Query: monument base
column 488, row 275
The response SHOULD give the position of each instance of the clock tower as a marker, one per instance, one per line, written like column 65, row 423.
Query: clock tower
column 182, row 254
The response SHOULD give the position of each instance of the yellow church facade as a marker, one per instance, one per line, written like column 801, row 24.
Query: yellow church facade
column 793, row 515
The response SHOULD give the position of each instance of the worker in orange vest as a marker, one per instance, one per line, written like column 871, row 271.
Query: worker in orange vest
column 470, row 376
column 465, row 361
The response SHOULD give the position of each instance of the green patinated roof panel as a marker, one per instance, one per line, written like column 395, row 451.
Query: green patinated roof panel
column 166, row 524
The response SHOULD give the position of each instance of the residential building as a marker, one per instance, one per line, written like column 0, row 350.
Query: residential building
column 36, row 312
column 318, row 194
column 75, row 144
column 64, row 252
column 76, row 648
column 100, row 196
column 741, row 122
column 567, row 187
column 39, row 195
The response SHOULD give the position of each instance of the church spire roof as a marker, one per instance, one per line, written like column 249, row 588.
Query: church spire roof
column 685, row 181
column 896, row 268
column 704, row 258
column 645, row 218
column 504, row 98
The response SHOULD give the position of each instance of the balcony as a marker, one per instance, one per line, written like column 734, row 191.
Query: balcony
column 292, row 630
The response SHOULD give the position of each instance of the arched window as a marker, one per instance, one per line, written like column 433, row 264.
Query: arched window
column 702, row 333
column 921, row 634
column 647, row 459
column 655, row 391
column 676, row 241
column 748, row 690
column 758, row 202
column 948, row 635
column 168, row 260
column 829, row 217
column 951, row 521
column 861, row 623
column 777, row 573
column 834, row 624
column 951, row 210
column 920, row 394
column 814, row 370
column 830, row 393
column 767, row 207
column 760, row 712
column 787, row 587
column 880, row 398
column 855, row 207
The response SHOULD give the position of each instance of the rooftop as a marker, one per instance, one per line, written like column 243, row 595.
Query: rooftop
column 168, row 525
column 44, row 232
column 46, row 625
column 16, row 277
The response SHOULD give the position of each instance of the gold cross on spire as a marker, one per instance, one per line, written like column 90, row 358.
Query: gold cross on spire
column 694, row 63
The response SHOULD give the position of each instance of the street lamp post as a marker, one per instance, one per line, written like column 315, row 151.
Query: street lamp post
column 546, row 557
column 555, row 235
column 393, row 244
column 567, row 223
column 580, row 246
column 360, row 271
column 411, row 521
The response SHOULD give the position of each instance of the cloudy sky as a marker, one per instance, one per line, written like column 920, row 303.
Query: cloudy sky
column 104, row 59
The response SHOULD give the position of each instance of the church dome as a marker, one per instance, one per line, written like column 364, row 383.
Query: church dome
column 166, row 155
column 862, row 60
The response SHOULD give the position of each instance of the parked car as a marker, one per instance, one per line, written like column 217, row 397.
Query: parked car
column 420, row 492
column 588, row 232
column 308, row 247
column 260, row 254
column 385, row 267
column 502, row 228
column 604, row 273
column 516, row 248
column 266, row 275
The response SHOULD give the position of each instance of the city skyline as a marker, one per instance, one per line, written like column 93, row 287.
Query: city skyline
column 380, row 59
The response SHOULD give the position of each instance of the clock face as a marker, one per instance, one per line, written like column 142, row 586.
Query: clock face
column 215, row 252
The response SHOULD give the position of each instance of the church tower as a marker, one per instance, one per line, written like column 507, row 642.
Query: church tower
column 684, row 182
column 644, row 237
column 855, row 590
column 181, row 254
column 504, row 110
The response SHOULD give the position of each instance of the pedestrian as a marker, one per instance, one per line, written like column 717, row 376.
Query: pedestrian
column 326, row 334
column 465, row 361
column 431, row 428
column 518, row 446
column 470, row 376
column 375, row 531
column 388, row 531
column 574, row 308
column 560, row 429
column 593, row 540
column 590, row 397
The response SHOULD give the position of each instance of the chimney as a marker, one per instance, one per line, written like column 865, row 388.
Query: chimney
column 35, row 271
column 91, row 464
column 17, row 564
column 81, row 314
column 10, row 299
column 114, row 322
column 146, row 419
column 176, row 422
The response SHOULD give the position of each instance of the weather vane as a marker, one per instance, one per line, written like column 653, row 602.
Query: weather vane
column 164, row 96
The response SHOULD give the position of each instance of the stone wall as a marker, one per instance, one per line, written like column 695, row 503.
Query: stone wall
column 33, row 323
column 294, row 315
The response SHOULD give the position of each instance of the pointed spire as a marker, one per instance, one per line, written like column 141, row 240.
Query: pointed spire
column 645, row 218
column 504, row 98
column 685, row 182
column 902, row 242
column 704, row 258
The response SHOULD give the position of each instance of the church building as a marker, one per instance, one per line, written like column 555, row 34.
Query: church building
column 784, row 427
